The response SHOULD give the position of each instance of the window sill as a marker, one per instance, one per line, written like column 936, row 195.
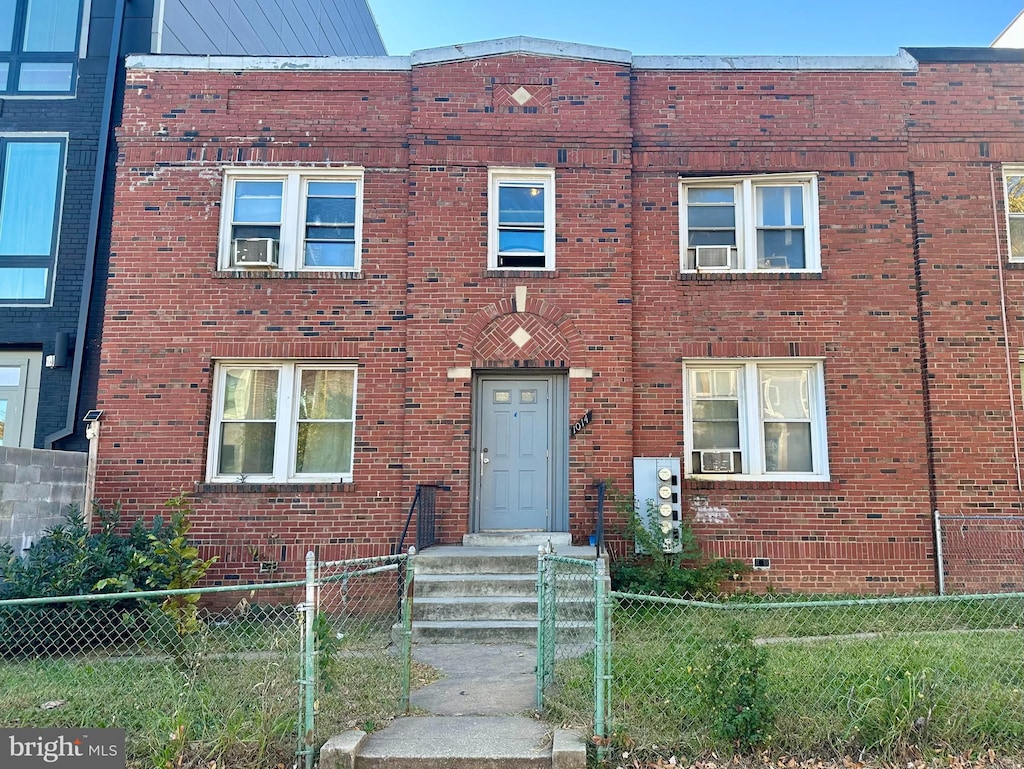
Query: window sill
column 759, row 482
column 730, row 276
column 520, row 274
column 288, row 275
column 1015, row 264
column 302, row 487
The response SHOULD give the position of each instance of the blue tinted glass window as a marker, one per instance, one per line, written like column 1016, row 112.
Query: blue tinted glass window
column 45, row 77
column 521, row 241
column 521, row 205
column 258, row 201
column 28, row 198
column 51, row 25
column 30, row 185
column 39, row 42
column 7, row 9
column 24, row 283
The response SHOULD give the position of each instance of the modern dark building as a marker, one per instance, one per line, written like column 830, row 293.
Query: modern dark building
column 60, row 95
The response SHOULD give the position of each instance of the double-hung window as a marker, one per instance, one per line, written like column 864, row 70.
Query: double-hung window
column 31, row 189
column 276, row 421
column 292, row 220
column 755, row 418
column 521, row 219
column 39, row 46
column 1014, row 180
column 749, row 224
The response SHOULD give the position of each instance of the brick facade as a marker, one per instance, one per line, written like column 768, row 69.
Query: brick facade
column 905, row 159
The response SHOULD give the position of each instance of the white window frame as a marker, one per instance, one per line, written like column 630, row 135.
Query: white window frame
column 286, row 432
column 751, row 424
column 293, row 213
column 744, row 257
column 498, row 177
column 1008, row 171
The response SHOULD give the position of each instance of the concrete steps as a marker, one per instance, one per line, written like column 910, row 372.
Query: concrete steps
column 457, row 742
column 486, row 591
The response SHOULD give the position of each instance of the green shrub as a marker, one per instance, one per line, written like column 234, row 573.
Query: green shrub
column 69, row 560
column 735, row 689
column 689, row 572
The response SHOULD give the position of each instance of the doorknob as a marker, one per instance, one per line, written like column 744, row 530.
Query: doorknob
column 483, row 460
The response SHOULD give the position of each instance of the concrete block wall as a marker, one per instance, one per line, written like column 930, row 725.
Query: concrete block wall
column 37, row 488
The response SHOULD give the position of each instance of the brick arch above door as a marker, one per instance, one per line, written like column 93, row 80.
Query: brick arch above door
column 521, row 332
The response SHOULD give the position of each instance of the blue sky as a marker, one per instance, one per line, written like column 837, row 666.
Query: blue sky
column 682, row 27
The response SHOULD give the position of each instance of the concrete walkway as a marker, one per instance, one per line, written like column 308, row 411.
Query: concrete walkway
column 479, row 679
column 480, row 714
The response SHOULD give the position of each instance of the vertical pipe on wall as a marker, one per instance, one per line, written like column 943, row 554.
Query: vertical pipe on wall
column 113, row 62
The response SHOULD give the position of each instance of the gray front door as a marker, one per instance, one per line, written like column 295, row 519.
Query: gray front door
column 513, row 453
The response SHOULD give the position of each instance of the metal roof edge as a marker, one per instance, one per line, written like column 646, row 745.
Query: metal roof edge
column 902, row 62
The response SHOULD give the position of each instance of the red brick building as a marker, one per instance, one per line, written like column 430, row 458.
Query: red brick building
column 512, row 267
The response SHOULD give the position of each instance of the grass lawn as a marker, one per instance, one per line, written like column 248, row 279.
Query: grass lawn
column 886, row 681
column 238, row 705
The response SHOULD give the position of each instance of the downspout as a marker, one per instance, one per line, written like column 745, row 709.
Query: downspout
column 1006, row 338
column 926, row 399
column 94, row 226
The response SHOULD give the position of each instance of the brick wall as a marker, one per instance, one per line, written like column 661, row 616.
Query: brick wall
column 615, row 310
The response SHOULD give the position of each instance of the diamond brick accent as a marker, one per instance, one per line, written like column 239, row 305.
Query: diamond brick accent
column 521, row 95
column 520, row 336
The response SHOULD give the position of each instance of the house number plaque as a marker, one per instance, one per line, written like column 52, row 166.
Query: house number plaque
column 579, row 424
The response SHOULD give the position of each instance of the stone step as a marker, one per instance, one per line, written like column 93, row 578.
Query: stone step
column 465, row 560
column 495, row 608
column 438, row 585
column 457, row 742
column 497, row 631
column 533, row 539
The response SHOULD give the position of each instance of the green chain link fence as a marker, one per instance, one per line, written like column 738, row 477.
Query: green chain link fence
column 255, row 671
column 885, row 678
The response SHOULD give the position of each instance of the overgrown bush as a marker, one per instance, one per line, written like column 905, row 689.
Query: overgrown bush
column 69, row 560
column 734, row 689
column 689, row 572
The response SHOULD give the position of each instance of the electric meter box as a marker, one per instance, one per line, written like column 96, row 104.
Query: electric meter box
column 657, row 499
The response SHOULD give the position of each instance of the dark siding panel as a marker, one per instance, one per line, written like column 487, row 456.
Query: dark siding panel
column 271, row 28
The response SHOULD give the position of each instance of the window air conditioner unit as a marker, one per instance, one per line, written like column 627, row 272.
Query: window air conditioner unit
column 716, row 462
column 254, row 252
column 713, row 257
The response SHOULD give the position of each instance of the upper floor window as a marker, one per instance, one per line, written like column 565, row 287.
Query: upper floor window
column 39, row 46
column 282, row 421
column 1014, row 177
column 521, row 218
column 31, row 188
column 309, row 219
column 748, row 224
column 762, row 419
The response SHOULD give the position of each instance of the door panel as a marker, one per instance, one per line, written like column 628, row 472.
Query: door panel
column 514, row 454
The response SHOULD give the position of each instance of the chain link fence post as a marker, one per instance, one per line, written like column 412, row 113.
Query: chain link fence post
column 307, row 680
column 406, row 650
column 602, row 658
column 541, row 625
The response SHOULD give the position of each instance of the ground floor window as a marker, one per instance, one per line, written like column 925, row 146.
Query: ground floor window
column 282, row 421
column 755, row 418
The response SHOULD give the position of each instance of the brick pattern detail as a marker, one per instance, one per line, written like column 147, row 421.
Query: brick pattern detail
column 515, row 98
column 912, row 241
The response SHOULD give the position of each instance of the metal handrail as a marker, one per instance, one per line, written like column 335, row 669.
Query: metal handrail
column 599, row 528
column 424, row 505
